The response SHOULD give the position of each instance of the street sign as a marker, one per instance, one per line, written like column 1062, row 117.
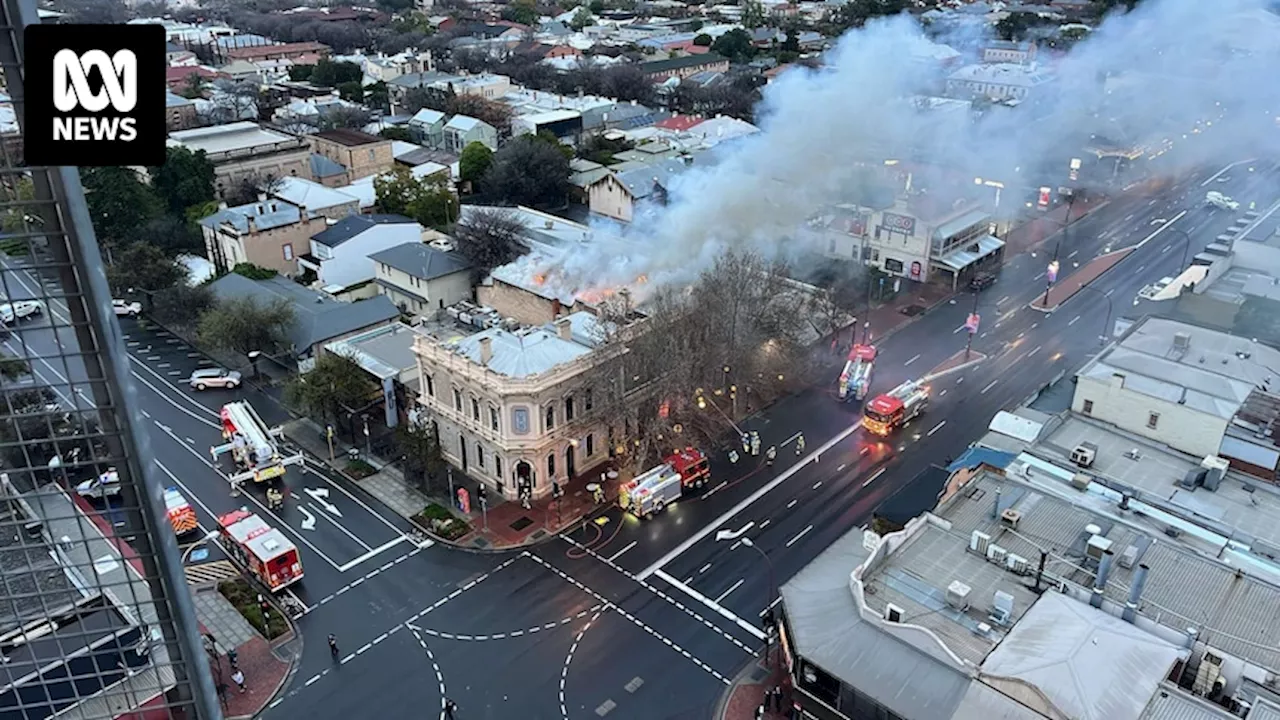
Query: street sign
column 971, row 323
column 1052, row 272
column 464, row 501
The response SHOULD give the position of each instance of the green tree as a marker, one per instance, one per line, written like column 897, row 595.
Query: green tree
column 140, row 267
column 703, row 40
column 735, row 45
column 753, row 15
column 328, row 73
column 119, row 203
column 182, row 305
column 301, row 73
column 596, row 6
column 351, row 91
column 337, row 385
column 254, row 272
column 171, row 235
column 582, row 18
column 474, row 161
column 23, row 191
column 245, row 324
column 185, row 179
column 521, row 11
column 427, row 200
column 419, row 448
column 193, row 87
column 396, row 133
column 792, row 43
column 378, row 96
column 12, row 368
column 528, row 171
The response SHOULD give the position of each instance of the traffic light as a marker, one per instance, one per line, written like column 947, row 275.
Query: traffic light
column 556, row 491
column 482, row 493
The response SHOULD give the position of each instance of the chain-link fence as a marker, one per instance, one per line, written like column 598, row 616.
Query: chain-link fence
column 96, row 620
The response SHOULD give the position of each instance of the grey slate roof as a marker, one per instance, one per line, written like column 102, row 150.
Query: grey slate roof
column 641, row 181
column 421, row 260
column 317, row 318
column 323, row 167
column 349, row 227
column 274, row 214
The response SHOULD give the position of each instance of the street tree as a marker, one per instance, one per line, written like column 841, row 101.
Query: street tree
column 119, row 203
column 344, row 117
column 753, row 14
column 427, row 200
column 490, row 238
column 328, row 73
column 181, row 306
column 528, row 170
column 172, row 235
column 332, row 390
column 494, row 113
column 735, row 45
column 524, row 12
column 351, row 91
column 185, row 179
column 703, row 40
column 20, row 190
column 581, row 19
column 245, row 324
column 12, row 367
column 139, row 267
column 474, row 162
column 419, row 449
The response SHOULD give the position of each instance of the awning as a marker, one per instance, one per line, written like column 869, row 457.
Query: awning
column 961, row 258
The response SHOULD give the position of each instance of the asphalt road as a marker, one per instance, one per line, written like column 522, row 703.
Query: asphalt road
column 632, row 619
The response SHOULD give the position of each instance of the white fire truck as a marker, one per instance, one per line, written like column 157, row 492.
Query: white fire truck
column 651, row 492
column 254, row 446
column 264, row 551
column 855, row 381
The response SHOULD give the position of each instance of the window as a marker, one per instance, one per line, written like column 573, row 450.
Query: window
column 551, row 465
column 493, row 418
column 550, row 420
column 475, row 408
column 1153, row 419
column 568, row 409
column 430, row 384
column 497, row 467
column 372, row 156
column 586, row 400
column 479, row 456
column 457, row 400
column 287, row 249
column 1088, row 407
column 591, row 444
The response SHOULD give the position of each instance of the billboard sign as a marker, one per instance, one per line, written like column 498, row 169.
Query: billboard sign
column 904, row 224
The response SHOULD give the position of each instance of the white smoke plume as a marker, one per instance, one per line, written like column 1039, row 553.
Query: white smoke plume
column 1139, row 79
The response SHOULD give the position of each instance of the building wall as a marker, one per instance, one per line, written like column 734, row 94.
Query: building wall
column 230, row 172
column 684, row 72
column 439, row 293
column 609, row 197
column 896, row 253
column 1178, row 426
column 360, row 161
column 483, row 133
column 514, row 302
column 266, row 248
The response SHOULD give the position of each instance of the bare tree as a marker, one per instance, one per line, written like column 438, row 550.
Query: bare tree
column 490, row 238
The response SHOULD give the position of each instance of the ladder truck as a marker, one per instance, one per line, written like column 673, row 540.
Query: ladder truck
column 253, row 446
column 650, row 492
column 890, row 411
column 855, row 381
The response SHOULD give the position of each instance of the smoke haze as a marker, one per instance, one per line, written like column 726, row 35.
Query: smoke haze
column 1138, row 80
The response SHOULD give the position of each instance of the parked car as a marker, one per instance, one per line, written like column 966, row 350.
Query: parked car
column 105, row 485
column 982, row 281
column 215, row 378
column 125, row 308
column 11, row 312
column 1220, row 201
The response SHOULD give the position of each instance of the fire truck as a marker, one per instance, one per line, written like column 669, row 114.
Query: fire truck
column 649, row 493
column 896, row 408
column 264, row 551
column 181, row 516
column 254, row 446
column 855, row 381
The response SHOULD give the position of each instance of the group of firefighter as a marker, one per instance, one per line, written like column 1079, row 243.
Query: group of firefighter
column 751, row 446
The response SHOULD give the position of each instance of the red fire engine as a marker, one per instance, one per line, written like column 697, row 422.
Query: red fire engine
column 650, row 492
column 262, row 549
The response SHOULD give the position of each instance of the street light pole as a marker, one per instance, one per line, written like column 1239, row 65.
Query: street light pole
column 1051, row 273
column 1186, row 246
column 739, row 535
column 1106, row 329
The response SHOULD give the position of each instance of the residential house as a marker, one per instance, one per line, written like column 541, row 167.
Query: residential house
column 537, row 51
column 340, row 254
column 278, row 51
column 398, row 88
column 516, row 408
column 179, row 112
column 246, row 150
column 303, row 115
column 489, row 86
column 421, row 279
column 618, row 195
column 427, row 127
column 180, row 78
column 462, row 130
column 1005, row 51
column 268, row 233
column 564, row 125
column 721, row 128
column 584, row 174
column 359, row 152
column 242, row 71
column 997, row 81
column 317, row 319
column 322, row 200
column 683, row 67
column 175, row 54
column 679, row 123
column 327, row 172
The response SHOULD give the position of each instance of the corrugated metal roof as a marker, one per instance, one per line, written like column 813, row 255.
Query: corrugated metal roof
column 1170, row 703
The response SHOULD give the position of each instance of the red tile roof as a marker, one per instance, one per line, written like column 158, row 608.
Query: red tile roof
column 680, row 123
column 257, row 52
column 179, row 75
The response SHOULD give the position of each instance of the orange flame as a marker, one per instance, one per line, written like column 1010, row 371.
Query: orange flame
column 539, row 279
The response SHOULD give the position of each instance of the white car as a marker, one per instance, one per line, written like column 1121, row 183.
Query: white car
column 105, row 485
column 124, row 308
column 20, row 310
column 1220, row 201
column 215, row 378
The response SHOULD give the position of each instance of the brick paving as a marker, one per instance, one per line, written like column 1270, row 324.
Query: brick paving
column 1071, row 284
column 744, row 697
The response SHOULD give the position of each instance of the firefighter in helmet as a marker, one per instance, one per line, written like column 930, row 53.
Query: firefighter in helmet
column 770, row 454
column 275, row 498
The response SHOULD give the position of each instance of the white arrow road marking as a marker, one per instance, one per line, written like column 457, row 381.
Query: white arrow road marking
column 318, row 494
column 309, row 521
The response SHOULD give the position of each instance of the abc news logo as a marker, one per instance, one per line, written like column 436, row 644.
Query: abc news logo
column 95, row 95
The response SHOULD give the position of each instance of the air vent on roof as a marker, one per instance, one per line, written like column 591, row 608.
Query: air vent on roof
column 997, row 554
column 1097, row 547
column 958, row 595
column 1001, row 608
column 1017, row 564
column 1010, row 518
column 893, row 613
column 979, row 542
column 1129, row 557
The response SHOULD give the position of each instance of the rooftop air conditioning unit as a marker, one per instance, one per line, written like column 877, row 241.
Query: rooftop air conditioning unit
column 1017, row 565
column 1084, row 454
column 1080, row 481
column 1097, row 547
column 979, row 542
column 1010, row 518
column 997, row 554
column 1181, row 341
column 958, row 595
column 1001, row 608
column 893, row 613
column 1128, row 557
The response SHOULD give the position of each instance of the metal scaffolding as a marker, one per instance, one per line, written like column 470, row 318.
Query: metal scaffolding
column 96, row 619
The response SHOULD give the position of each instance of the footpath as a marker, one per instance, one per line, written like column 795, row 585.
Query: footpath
column 1077, row 281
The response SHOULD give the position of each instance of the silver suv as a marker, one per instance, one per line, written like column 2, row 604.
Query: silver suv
column 215, row 378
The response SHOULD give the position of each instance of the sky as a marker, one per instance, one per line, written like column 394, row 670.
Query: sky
column 1141, row 79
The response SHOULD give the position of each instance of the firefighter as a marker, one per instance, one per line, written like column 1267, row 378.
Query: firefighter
column 769, row 455
column 275, row 498
column 733, row 456
column 746, row 443
column 755, row 443
column 800, row 444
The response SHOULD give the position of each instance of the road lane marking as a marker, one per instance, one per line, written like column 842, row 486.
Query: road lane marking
column 733, row 587
column 1108, row 293
column 988, row 387
column 614, row 557
column 746, row 502
column 1074, row 320
column 1037, row 277
column 721, row 610
column 944, row 392
column 1002, row 300
column 801, row 534
column 1165, row 249
column 704, row 568
column 765, row 523
column 873, row 477
column 1073, row 254
column 962, row 327
column 917, row 357
column 379, row 550
column 792, row 504
column 817, row 485
column 936, row 428
column 1141, row 268
column 1033, row 352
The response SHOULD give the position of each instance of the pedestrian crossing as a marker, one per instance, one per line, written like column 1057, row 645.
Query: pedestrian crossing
column 211, row 573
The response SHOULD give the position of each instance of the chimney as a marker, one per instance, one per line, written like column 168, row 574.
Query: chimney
column 1100, row 584
column 995, row 509
column 222, row 205
column 253, row 226
column 302, row 212
column 262, row 197
column 1135, row 594
column 556, row 308
column 486, row 350
column 1117, row 380
column 564, row 328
